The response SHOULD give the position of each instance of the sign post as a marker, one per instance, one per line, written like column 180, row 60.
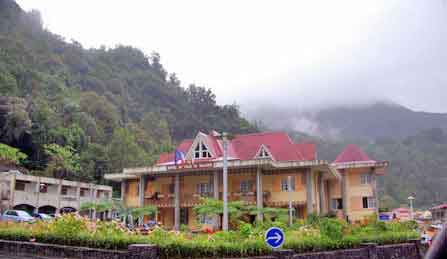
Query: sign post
column 274, row 237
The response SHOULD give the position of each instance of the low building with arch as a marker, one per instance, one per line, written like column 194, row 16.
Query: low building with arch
column 47, row 195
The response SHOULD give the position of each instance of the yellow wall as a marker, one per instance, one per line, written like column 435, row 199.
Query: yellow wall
column 272, row 184
column 131, row 198
column 355, row 192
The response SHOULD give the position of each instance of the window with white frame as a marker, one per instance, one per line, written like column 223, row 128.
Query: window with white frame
column 285, row 184
column 369, row 202
column 246, row 186
column 336, row 204
column 366, row 178
column 204, row 189
column 201, row 151
column 205, row 219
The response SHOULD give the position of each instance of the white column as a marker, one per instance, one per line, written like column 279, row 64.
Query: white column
column 259, row 193
column 59, row 190
column 177, row 203
column 216, row 185
column 344, row 194
column 12, row 188
column 216, row 196
column 309, row 192
column 321, row 194
column 78, row 195
column 95, row 194
column 37, row 192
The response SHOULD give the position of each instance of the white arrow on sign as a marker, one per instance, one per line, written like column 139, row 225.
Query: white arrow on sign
column 277, row 238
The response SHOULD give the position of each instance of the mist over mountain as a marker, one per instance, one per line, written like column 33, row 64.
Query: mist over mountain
column 366, row 121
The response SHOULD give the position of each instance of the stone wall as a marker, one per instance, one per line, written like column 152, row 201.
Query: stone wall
column 30, row 249
column 412, row 250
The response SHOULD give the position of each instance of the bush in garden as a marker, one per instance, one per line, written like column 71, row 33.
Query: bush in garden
column 245, row 230
column 323, row 234
column 333, row 228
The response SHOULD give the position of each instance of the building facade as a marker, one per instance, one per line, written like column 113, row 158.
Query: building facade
column 260, row 167
column 47, row 195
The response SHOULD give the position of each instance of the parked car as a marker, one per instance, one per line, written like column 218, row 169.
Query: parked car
column 17, row 216
column 42, row 216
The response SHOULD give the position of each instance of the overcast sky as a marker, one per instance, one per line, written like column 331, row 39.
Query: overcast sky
column 298, row 54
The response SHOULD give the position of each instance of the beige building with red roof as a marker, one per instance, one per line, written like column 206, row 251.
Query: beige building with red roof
column 259, row 166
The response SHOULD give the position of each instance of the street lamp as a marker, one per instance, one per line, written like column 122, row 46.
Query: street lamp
column 225, row 182
column 411, row 199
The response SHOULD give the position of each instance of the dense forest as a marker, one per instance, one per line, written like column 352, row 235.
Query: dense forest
column 80, row 113
column 418, row 164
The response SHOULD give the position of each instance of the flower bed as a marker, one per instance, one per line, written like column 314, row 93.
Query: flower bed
column 313, row 235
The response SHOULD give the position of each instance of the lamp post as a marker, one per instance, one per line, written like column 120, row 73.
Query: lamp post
column 289, row 189
column 411, row 199
column 225, row 182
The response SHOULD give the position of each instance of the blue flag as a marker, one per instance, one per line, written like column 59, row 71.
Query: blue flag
column 179, row 157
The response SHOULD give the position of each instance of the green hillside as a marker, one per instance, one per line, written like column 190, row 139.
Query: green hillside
column 104, row 108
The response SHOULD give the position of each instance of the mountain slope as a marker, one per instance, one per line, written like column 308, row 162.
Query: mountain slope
column 111, row 107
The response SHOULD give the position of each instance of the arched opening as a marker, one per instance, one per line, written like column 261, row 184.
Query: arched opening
column 50, row 210
column 25, row 207
column 65, row 210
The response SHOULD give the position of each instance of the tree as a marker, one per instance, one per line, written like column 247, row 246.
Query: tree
column 8, row 84
column 11, row 154
column 63, row 160
column 123, row 151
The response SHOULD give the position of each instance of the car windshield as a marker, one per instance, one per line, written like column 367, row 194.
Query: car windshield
column 21, row 213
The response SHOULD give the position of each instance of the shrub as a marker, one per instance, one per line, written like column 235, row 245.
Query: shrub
column 333, row 228
column 245, row 230
column 323, row 234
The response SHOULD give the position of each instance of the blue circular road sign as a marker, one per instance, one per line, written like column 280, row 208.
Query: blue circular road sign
column 274, row 237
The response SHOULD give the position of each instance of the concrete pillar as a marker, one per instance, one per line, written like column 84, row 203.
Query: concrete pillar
column 344, row 193
column 37, row 192
column 321, row 194
column 59, row 191
column 123, row 189
column 94, row 194
column 142, row 190
column 216, row 185
column 259, row 193
column 327, row 195
column 216, row 196
column 309, row 191
column 12, row 188
column 177, row 202
column 78, row 195
column 374, row 190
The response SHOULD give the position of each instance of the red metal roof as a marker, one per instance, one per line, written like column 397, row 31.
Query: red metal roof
column 246, row 146
column 352, row 153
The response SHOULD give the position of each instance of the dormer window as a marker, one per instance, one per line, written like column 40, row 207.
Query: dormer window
column 263, row 153
column 201, row 151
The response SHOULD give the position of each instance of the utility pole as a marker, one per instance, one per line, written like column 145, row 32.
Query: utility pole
column 289, row 190
column 225, row 182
